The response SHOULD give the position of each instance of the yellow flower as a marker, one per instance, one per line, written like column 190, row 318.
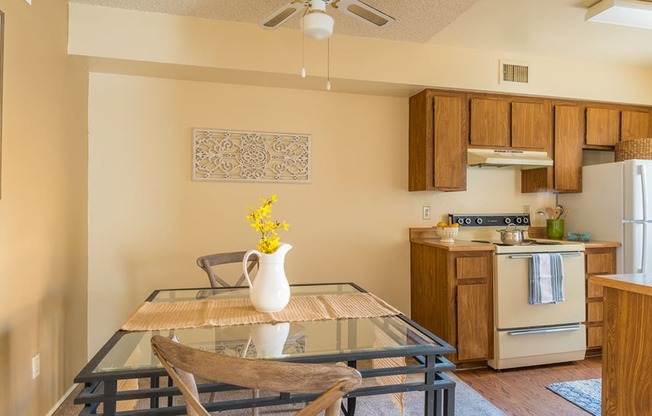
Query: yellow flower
column 261, row 222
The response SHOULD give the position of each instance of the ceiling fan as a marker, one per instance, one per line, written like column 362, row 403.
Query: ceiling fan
column 319, row 25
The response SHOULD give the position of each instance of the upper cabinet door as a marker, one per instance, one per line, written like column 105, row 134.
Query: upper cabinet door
column 568, row 148
column 634, row 124
column 490, row 125
column 602, row 126
column 531, row 125
column 438, row 137
column 449, row 143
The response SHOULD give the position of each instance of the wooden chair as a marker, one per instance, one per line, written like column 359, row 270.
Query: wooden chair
column 207, row 263
column 182, row 363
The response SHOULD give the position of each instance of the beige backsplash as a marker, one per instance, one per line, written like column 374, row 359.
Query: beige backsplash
column 489, row 190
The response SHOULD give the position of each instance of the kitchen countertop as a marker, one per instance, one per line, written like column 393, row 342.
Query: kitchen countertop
column 458, row 245
column 601, row 244
column 429, row 236
column 640, row 283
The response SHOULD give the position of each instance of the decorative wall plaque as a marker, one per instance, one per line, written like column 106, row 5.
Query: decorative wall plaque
column 251, row 156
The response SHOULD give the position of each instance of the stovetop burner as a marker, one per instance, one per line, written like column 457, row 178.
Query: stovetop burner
column 525, row 242
column 471, row 221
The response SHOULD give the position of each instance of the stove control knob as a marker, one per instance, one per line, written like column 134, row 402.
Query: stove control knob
column 519, row 220
column 460, row 221
column 508, row 220
column 467, row 221
column 526, row 220
column 478, row 221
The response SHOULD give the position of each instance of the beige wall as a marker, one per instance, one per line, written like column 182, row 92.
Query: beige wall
column 148, row 221
column 242, row 53
column 42, row 209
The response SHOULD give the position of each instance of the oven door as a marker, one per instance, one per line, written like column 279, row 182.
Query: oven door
column 511, row 290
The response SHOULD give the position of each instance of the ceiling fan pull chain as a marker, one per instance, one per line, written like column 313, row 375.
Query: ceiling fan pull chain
column 328, row 65
column 303, row 49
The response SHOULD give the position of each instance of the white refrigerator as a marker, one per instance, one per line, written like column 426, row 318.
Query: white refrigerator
column 616, row 205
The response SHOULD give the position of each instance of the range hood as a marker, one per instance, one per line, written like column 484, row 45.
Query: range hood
column 517, row 158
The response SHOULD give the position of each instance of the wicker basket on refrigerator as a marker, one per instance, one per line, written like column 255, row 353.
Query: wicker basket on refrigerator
column 634, row 149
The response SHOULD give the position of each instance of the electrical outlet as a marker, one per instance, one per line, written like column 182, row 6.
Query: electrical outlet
column 36, row 365
column 426, row 213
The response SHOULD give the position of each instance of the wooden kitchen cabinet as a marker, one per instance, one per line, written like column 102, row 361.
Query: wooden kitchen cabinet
column 599, row 260
column 566, row 173
column 568, row 130
column 602, row 126
column 510, row 122
column 607, row 125
column 490, row 126
column 531, row 125
column 438, row 135
column 471, row 277
column 627, row 352
column 634, row 124
column 443, row 124
column 452, row 296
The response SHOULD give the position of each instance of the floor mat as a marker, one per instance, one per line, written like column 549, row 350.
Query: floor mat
column 586, row 394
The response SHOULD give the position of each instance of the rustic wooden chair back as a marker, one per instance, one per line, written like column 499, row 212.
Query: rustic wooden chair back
column 182, row 363
column 207, row 263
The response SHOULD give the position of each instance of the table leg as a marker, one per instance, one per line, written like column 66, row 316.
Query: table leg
column 430, row 402
column 155, row 383
column 110, row 391
column 449, row 401
column 350, row 401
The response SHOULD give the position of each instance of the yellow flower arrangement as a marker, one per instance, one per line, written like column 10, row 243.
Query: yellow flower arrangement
column 261, row 221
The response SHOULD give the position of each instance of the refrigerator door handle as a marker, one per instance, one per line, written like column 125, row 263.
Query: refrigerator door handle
column 644, row 249
column 643, row 174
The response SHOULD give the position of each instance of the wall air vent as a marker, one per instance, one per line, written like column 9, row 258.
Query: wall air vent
column 514, row 72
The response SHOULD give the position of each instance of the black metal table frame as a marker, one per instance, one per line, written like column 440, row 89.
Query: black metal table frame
column 439, row 390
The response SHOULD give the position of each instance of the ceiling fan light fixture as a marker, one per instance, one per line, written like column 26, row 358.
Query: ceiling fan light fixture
column 317, row 24
column 634, row 13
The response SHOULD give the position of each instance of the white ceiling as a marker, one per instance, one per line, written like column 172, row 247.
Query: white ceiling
column 552, row 28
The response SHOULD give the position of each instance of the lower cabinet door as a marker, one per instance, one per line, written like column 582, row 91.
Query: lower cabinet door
column 472, row 322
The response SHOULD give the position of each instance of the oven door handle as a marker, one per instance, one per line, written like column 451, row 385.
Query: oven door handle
column 529, row 256
column 544, row 330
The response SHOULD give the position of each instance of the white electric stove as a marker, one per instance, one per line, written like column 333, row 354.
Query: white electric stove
column 525, row 334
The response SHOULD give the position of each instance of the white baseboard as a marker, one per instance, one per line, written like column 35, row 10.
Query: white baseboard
column 61, row 400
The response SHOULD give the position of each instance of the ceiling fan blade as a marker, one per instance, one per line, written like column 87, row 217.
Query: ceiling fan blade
column 364, row 12
column 280, row 16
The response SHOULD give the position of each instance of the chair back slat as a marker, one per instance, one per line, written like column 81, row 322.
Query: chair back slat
column 331, row 381
column 209, row 262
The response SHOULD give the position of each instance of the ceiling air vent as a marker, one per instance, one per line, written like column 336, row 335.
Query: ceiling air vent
column 516, row 72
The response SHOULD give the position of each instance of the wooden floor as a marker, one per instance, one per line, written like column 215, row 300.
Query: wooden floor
column 523, row 392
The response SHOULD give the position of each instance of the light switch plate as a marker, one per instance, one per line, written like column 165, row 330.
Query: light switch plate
column 36, row 366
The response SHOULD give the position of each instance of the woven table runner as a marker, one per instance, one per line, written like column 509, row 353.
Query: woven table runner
column 152, row 316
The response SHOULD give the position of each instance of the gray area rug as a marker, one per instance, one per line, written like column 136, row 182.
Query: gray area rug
column 468, row 402
column 586, row 394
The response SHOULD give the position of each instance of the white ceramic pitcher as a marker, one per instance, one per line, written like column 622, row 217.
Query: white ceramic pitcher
column 270, row 290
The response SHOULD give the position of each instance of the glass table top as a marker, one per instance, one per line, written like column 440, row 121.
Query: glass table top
column 287, row 340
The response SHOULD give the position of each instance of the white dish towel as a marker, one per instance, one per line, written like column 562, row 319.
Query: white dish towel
column 546, row 278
